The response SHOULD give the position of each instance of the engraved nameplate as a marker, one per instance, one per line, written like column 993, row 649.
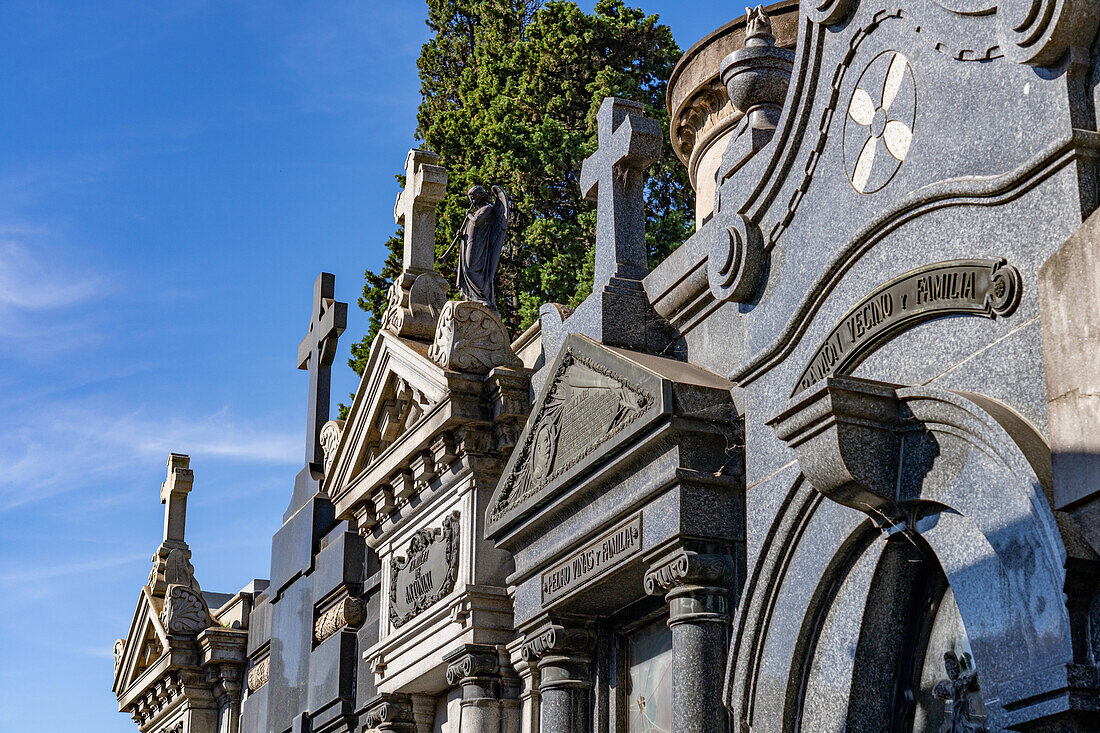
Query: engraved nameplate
column 593, row 561
column 987, row 288
column 427, row 572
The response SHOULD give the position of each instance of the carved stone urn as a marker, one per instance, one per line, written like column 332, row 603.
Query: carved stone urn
column 757, row 76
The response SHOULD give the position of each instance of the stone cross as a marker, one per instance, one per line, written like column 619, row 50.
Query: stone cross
column 425, row 186
column 173, row 494
column 629, row 143
column 315, row 353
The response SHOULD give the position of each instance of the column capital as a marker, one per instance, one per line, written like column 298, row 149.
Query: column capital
column 391, row 712
column 558, row 640
column 689, row 568
column 472, row 664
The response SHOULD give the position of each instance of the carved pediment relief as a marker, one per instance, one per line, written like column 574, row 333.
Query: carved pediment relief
column 145, row 643
column 591, row 397
column 399, row 386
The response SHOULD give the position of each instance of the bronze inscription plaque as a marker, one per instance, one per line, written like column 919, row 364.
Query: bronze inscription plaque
column 987, row 288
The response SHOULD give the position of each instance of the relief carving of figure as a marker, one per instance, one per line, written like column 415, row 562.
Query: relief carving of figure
column 958, row 688
column 480, row 240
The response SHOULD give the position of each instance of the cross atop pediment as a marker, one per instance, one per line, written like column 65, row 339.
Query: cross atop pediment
column 173, row 494
column 425, row 186
column 315, row 354
column 615, row 176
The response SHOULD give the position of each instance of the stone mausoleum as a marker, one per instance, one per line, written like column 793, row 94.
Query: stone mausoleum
column 833, row 465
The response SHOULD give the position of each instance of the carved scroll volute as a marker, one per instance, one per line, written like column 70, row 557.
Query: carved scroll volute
column 185, row 611
column 828, row 12
column 1039, row 32
column 735, row 264
column 846, row 433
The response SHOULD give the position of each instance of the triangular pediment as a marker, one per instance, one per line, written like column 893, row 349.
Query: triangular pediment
column 399, row 386
column 593, row 401
column 145, row 643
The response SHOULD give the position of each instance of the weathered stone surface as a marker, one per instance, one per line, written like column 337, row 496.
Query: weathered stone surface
column 1069, row 285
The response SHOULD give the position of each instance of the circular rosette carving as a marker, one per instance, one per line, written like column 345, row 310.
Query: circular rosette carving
column 878, row 128
column 735, row 263
column 828, row 12
column 1004, row 289
column 1038, row 32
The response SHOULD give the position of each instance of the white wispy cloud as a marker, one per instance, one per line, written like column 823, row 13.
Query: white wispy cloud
column 73, row 446
column 33, row 284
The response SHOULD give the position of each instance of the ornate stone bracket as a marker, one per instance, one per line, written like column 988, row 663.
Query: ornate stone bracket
column 847, row 435
column 330, row 439
column 257, row 675
column 413, row 304
column 471, row 338
column 347, row 612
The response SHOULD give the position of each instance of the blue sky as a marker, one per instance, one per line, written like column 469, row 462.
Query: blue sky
column 173, row 176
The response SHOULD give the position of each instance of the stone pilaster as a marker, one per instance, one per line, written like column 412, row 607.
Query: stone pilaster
column 390, row 713
column 527, row 674
column 696, row 587
column 563, row 656
column 475, row 670
column 423, row 712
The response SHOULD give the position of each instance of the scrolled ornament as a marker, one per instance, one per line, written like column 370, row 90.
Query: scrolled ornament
column 828, row 12
column 1004, row 291
column 735, row 263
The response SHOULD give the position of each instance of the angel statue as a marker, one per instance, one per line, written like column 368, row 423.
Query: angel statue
column 957, row 689
column 482, row 238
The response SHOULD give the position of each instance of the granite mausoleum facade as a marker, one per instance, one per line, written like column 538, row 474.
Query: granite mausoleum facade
column 833, row 465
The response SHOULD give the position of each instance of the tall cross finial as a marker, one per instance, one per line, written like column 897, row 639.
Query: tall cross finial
column 615, row 175
column 173, row 494
column 315, row 353
column 425, row 186
column 416, row 295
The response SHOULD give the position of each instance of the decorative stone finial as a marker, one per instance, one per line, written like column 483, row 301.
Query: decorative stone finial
column 758, row 27
column 757, row 76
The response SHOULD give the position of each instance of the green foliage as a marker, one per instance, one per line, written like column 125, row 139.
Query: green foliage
column 510, row 91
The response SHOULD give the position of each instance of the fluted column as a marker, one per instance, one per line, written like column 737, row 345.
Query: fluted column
column 564, row 661
column 390, row 713
column 475, row 670
column 696, row 587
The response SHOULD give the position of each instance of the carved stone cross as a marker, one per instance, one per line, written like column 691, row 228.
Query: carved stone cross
column 173, row 494
column 315, row 353
column 425, row 186
column 419, row 292
column 615, row 175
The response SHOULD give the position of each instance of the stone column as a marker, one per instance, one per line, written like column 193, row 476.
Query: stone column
column 475, row 669
column 390, row 713
column 564, row 661
column 697, row 588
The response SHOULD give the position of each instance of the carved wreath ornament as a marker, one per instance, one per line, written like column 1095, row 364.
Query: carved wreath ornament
column 879, row 127
column 433, row 591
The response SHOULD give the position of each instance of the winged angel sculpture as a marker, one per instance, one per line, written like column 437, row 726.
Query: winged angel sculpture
column 481, row 238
